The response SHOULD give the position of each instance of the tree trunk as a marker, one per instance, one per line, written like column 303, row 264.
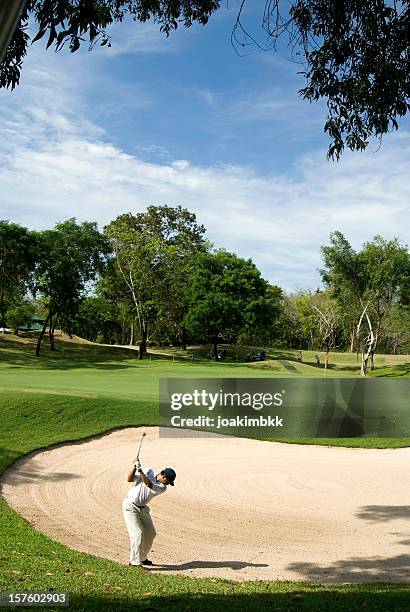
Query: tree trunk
column 352, row 337
column 216, row 349
column 183, row 338
column 363, row 365
column 131, row 334
column 368, row 348
column 49, row 329
column 43, row 331
column 51, row 332
column 374, row 350
column 52, row 343
column 2, row 308
column 368, row 343
column 143, row 344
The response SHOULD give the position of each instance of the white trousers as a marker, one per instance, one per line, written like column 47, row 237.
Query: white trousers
column 140, row 529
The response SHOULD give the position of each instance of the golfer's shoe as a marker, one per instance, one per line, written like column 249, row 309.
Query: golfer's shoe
column 147, row 562
column 137, row 566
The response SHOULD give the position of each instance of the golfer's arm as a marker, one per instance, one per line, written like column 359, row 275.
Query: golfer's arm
column 145, row 480
column 131, row 475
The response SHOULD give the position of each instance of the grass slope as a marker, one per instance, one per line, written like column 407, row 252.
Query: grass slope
column 82, row 391
column 94, row 372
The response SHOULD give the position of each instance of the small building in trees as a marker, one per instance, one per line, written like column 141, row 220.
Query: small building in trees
column 34, row 324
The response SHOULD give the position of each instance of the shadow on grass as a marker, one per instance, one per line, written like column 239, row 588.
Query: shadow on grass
column 386, row 599
column 68, row 365
column 7, row 457
column 67, row 356
column 357, row 570
column 288, row 366
column 376, row 514
column 393, row 371
column 242, row 351
column 334, row 366
column 72, row 356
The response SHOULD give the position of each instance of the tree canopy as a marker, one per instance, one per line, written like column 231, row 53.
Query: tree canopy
column 73, row 22
column 368, row 282
column 156, row 281
column 353, row 54
column 226, row 295
column 17, row 259
column 69, row 257
column 152, row 253
column 319, row 319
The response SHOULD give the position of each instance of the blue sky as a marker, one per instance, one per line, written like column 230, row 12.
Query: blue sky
column 185, row 120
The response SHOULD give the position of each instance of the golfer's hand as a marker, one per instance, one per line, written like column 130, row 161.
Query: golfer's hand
column 137, row 465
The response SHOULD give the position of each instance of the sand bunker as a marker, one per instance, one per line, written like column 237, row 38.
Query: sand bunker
column 241, row 509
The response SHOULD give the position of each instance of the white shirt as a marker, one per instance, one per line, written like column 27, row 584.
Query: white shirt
column 140, row 494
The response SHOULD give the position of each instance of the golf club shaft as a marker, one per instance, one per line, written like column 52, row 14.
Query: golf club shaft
column 139, row 448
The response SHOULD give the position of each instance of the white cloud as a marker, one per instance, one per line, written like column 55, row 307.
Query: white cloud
column 56, row 163
column 208, row 96
column 132, row 37
column 278, row 222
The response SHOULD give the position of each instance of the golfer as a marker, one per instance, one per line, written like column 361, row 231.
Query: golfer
column 136, row 511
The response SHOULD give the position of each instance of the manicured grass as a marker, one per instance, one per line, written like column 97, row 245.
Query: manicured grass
column 108, row 375
column 84, row 390
column 98, row 371
column 400, row 370
column 338, row 361
column 31, row 420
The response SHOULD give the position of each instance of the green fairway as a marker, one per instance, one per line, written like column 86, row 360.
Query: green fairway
column 120, row 389
column 84, row 390
column 96, row 371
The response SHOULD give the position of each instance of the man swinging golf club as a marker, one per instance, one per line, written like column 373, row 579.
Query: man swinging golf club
column 136, row 512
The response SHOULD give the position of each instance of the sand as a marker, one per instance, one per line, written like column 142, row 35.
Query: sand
column 241, row 509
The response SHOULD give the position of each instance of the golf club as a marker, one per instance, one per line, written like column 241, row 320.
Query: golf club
column 139, row 448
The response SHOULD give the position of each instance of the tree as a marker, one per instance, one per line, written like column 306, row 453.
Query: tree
column 119, row 309
column 306, row 319
column 20, row 315
column 10, row 13
column 226, row 295
column 288, row 331
column 354, row 54
column 319, row 319
column 98, row 320
column 17, row 259
column 74, row 21
column 262, row 324
column 152, row 251
column 375, row 278
column 397, row 332
column 71, row 256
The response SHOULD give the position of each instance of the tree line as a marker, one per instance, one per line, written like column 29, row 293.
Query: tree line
column 153, row 278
